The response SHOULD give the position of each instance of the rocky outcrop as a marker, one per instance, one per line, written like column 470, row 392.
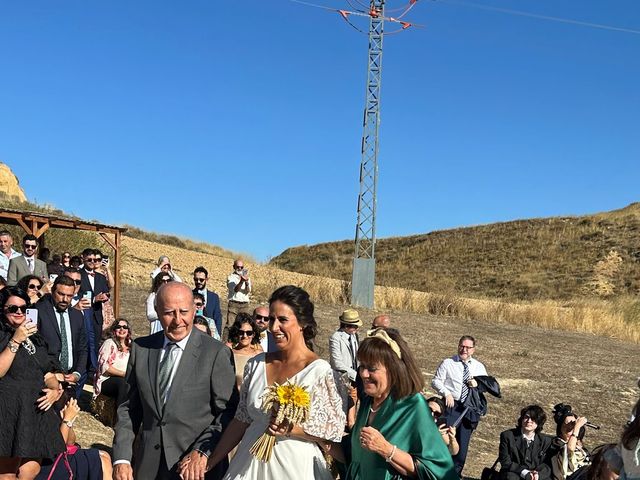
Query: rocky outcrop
column 9, row 185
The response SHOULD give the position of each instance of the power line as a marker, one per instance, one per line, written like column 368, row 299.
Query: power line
column 520, row 13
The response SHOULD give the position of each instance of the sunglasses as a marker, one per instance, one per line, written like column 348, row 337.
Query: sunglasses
column 165, row 280
column 196, row 279
column 66, row 256
column 77, row 282
column 33, row 286
column 122, row 327
column 245, row 333
column 261, row 318
column 16, row 308
column 98, row 260
column 89, row 260
column 198, row 304
column 30, row 247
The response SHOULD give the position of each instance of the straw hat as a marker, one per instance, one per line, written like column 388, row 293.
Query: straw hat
column 351, row 317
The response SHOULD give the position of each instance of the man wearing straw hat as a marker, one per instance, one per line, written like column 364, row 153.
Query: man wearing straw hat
column 343, row 345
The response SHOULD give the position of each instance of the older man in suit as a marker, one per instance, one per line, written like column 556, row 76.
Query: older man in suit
column 27, row 263
column 63, row 329
column 343, row 345
column 180, row 396
column 525, row 453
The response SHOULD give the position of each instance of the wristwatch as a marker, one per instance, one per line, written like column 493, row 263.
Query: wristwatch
column 69, row 423
column 13, row 346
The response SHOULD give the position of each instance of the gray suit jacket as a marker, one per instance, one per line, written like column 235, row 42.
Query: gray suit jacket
column 18, row 268
column 202, row 402
column 340, row 351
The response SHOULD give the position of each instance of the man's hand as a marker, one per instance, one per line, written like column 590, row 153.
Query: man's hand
column 472, row 383
column 70, row 378
column 448, row 400
column 123, row 471
column 83, row 304
column 101, row 297
column 193, row 466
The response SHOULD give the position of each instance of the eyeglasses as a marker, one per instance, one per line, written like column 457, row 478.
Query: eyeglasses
column 33, row 286
column 16, row 308
column 196, row 279
column 528, row 417
column 77, row 282
column 198, row 304
column 165, row 280
column 122, row 327
column 465, row 347
column 66, row 256
column 89, row 260
column 261, row 318
column 245, row 333
column 97, row 260
column 27, row 246
column 436, row 413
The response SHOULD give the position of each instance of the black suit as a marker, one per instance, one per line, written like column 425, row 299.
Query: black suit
column 50, row 331
column 515, row 456
column 101, row 285
column 212, row 308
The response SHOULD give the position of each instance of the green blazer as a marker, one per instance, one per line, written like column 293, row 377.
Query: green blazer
column 407, row 424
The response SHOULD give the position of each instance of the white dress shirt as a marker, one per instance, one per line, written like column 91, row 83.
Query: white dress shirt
column 448, row 377
column 4, row 262
column 177, row 353
column 241, row 295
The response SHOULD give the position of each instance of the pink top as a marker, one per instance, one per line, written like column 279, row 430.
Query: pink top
column 109, row 356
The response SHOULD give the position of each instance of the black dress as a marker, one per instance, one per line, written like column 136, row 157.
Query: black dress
column 26, row 431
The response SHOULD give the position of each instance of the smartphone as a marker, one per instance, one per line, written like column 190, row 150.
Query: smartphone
column 32, row 315
column 52, row 277
column 245, row 272
column 105, row 260
column 86, row 296
column 441, row 421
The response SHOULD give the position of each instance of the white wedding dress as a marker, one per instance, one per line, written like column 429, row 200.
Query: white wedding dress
column 292, row 458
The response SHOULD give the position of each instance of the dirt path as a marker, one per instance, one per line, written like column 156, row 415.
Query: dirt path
column 596, row 375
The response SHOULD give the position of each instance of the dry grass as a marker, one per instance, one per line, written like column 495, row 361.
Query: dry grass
column 553, row 258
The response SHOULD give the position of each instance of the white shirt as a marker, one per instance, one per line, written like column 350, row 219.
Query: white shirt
column 91, row 274
column 448, row 377
column 67, row 326
column 177, row 354
column 241, row 295
column 31, row 262
column 4, row 262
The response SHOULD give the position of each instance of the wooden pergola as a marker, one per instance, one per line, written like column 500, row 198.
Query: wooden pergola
column 37, row 223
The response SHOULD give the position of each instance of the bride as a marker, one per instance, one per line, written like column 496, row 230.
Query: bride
column 297, row 452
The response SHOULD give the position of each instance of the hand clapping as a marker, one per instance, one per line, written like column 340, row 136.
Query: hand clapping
column 371, row 439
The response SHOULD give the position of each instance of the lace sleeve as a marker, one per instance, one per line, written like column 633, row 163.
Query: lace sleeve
column 242, row 413
column 327, row 418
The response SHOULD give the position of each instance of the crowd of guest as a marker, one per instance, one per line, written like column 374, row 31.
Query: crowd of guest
column 190, row 394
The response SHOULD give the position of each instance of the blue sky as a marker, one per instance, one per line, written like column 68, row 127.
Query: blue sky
column 239, row 122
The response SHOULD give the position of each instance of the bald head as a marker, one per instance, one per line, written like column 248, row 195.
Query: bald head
column 175, row 309
column 383, row 320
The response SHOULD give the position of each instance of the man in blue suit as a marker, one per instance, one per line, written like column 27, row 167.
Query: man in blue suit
column 211, row 299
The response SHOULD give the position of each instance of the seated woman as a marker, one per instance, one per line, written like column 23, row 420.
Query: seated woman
column 571, row 455
column 112, row 360
column 394, row 434
column 437, row 407
column 81, row 463
column 525, row 452
column 34, row 286
column 244, row 337
column 605, row 463
column 152, row 316
column 630, row 447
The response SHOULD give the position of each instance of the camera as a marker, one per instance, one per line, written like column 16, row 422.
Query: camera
column 561, row 411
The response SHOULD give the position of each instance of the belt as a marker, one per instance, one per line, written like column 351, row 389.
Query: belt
column 241, row 303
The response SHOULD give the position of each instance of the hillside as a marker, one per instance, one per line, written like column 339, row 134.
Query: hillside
column 556, row 258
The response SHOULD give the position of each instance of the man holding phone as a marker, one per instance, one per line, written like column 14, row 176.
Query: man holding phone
column 95, row 288
column 63, row 329
column 239, row 287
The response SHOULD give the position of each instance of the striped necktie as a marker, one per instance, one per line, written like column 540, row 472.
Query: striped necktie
column 64, row 350
column 464, row 393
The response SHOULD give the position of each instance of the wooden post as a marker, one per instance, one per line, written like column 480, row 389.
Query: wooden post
column 116, row 266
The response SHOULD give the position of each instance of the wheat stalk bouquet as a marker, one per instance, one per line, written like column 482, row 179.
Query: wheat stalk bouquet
column 291, row 403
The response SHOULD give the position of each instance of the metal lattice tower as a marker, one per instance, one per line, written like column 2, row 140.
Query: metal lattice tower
column 364, row 261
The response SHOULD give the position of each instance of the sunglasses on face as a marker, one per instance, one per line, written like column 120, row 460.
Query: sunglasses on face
column 196, row 279
column 30, row 247
column 122, row 327
column 66, row 256
column 165, row 280
column 77, row 282
column 89, row 260
column 97, row 260
column 261, row 318
column 245, row 333
column 16, row 308
column 199, row 304
column 33, row 286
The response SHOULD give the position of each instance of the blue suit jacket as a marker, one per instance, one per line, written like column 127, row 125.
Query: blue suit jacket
column 212, row 308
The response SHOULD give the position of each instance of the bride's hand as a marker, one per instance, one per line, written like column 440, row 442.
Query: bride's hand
column 283, row 429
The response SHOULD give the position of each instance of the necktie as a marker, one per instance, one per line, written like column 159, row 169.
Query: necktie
column 93, row 274
column 64, row 353
column 354, row 351
column 30, row 262
column 465, row 378
column 165, row 369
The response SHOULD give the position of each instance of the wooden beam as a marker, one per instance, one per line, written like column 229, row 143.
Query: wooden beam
column 24, row 226
column 40, row 231
column 116, row 266
column 108, row 240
